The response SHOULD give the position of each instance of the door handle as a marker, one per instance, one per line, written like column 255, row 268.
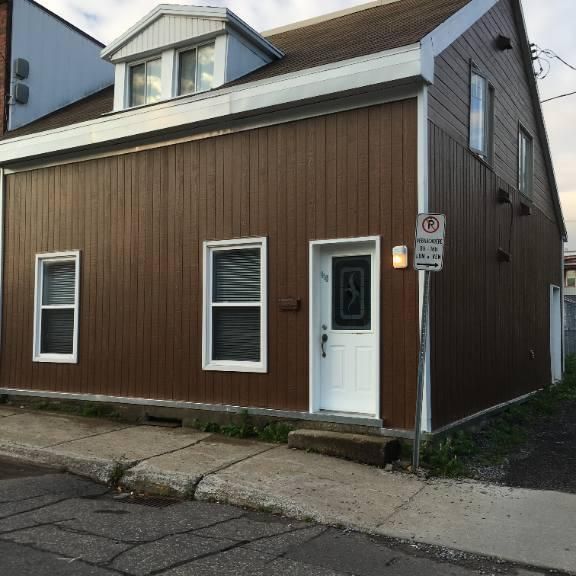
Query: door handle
column 324, row 340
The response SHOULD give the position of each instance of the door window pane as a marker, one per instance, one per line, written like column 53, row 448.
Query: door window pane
column 352, row 293
column 187, row 81
column 205, row 67
column 138, row 85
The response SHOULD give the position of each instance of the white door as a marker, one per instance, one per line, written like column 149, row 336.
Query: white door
column 556, row 333
column 349, row 360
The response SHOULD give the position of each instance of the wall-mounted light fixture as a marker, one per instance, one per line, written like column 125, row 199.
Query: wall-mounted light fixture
column 400, row 257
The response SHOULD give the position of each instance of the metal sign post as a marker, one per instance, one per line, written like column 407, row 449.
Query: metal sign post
column 429, row 257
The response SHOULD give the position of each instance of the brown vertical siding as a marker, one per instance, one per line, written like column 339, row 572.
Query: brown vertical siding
column 140, row 220
column 487, row 317
column 450, row 96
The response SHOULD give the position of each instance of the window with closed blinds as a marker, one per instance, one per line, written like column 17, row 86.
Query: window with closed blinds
column 56, row 314
column 235, row 286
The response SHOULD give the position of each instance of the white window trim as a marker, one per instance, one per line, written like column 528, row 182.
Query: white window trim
column 38, row 289
column 190, row 48
column 234, row 366
column 524, row 132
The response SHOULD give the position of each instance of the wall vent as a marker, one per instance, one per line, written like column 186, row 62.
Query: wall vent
column 21, row 93
column 21, row 68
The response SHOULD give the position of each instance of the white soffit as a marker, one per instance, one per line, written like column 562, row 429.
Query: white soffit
column 359, row 74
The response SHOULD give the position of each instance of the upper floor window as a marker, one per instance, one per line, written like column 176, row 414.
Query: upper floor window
column 196, row 69
column 481, row 115
column 145, row 82
column 571, row 278
column 525, row 162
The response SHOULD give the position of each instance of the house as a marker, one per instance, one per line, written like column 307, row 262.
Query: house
column 45, row 63
column 221, row 237
column 569, row 274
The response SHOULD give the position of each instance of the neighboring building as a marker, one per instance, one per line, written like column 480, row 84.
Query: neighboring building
column 45, row 63
column 221, row 237
column 570, row 274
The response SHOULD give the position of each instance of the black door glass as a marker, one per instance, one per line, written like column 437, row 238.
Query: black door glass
column 352, row 293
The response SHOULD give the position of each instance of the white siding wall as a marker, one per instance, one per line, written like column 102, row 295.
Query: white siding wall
column 166, row 31
column 242, row 59
column 65, row 66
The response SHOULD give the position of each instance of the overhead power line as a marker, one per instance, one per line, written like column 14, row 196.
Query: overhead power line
column 558, row 97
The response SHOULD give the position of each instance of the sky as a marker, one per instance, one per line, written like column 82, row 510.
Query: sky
column 550, row 26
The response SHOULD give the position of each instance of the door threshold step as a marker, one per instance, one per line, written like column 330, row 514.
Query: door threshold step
column 373, row 450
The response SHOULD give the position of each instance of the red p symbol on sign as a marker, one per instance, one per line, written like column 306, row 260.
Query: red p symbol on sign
column 431, row 225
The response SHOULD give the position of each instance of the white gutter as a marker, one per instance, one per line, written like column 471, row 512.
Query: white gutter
column 409, row 63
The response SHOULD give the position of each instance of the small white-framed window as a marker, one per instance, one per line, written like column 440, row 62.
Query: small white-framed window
column 235, row 310
column 481, row 115
column 571, row 279
column 196, row 69
column 525, row 162
column 56, row 297
column 145, row 82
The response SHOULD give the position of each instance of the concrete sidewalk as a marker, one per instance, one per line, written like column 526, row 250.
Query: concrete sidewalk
column 532, row 527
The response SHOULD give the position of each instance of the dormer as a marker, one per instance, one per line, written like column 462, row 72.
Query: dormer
column 182, row 50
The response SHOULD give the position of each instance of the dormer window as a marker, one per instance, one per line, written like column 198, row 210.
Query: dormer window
column 145, row 83
column 196, row 69
column 184, row 50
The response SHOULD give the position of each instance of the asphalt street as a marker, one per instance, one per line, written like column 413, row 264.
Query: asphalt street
column 54, row 524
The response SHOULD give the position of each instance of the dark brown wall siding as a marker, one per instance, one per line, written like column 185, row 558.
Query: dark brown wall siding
column 450, row 96
column 140, row 220
column 486, row 316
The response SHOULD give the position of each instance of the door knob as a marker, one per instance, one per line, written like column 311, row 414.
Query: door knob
column 324, row 340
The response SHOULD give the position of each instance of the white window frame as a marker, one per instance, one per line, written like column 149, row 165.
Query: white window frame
column 194, row 48
column 72, row 256
column 570, row 276
column 228, row 365
column 128, row 103
column 524, row 133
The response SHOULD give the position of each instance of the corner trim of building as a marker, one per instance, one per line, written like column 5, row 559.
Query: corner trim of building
column 2, row 225
column 423, row 205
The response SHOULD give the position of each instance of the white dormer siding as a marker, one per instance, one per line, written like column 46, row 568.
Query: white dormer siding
column 180, row 50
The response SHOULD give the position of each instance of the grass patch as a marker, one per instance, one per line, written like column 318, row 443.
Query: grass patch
column 274, row 432
column 456, row 455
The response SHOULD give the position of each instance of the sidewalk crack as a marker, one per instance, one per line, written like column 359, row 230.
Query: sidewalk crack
column 202, row 477
column 404, row 505
column 87, row 437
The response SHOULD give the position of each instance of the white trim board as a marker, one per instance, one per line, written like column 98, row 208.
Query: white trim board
column 314, row 84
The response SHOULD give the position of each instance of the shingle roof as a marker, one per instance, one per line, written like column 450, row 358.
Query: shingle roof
column 383, row 27
column 88, row 108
